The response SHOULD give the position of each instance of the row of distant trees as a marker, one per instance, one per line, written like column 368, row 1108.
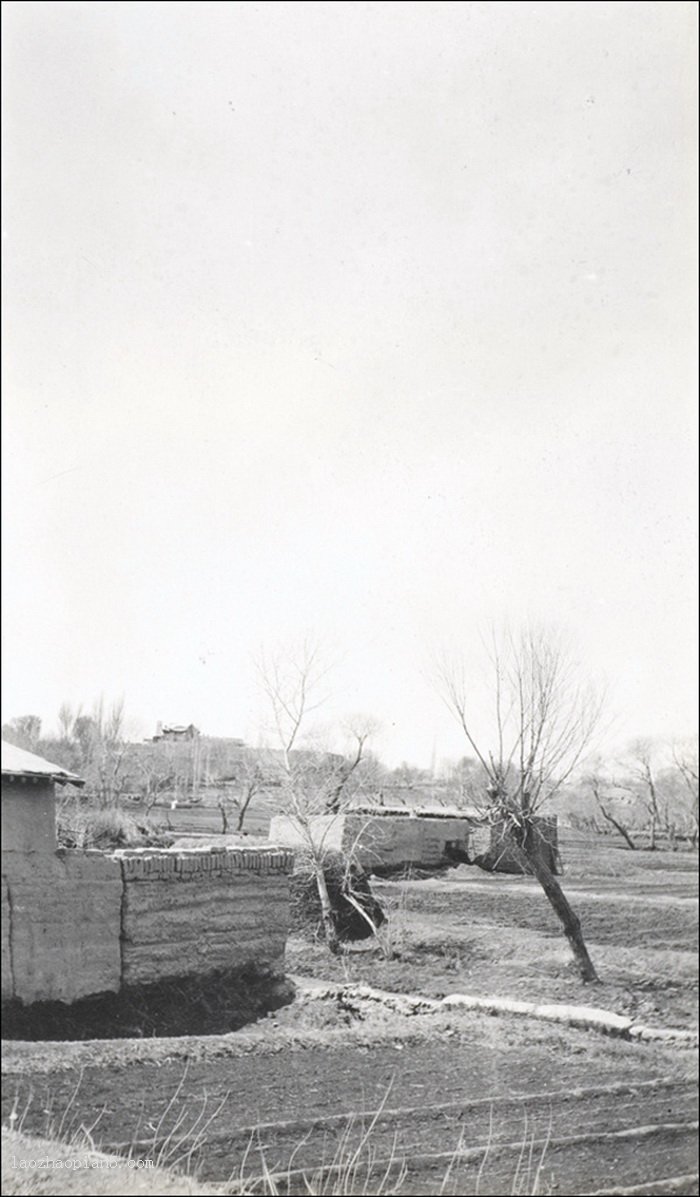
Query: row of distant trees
column 648, row 795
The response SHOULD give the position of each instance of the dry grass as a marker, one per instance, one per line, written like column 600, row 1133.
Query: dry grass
column 168, row 1158
column 357, row 1167
column 165, row 1161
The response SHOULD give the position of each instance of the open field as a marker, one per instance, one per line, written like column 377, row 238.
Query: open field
column 532, row 1107
column 472, row 932
column 206, row 819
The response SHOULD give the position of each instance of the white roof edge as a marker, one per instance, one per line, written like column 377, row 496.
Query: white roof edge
column 17, row 762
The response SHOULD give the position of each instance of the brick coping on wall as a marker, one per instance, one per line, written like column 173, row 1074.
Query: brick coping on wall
column 166, row 862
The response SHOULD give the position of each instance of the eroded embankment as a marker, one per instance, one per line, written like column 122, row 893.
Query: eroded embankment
column 325, row 1016
column 216, row 1004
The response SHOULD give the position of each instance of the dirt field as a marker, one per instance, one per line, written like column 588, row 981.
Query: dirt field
column 440, row 1080
column 206, row 819
column 532, row 1107
column 473, row 932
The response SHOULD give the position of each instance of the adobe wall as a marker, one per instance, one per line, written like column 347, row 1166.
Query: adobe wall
column 28, row 816
column 76, row 924
column 380, row 842
column 7, row 980
column 193, row 912
column 61, row 925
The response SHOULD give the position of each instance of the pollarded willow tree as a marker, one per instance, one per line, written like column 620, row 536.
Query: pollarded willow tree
column 544, row 715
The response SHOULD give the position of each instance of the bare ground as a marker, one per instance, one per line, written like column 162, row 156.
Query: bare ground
column 469, row 931
column 440, row 1079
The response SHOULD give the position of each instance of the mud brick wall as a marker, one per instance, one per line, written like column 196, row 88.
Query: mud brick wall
column 380, row 842
column 61, row 915
column 75, row 924
column 389, row 842
column 7, row 978
column 193, row 912
column 28, row 816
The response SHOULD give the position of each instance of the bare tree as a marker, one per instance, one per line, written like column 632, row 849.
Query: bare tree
column 24, row 731
column 685, row 760
column 108, row 750
column 597, row 785
column 250, row 780
column 463, row 782
column 312, row 782
column 641, row 781
column 150, row 763
column 66, row 721
column 97, row 746
column 544, row 716
column 360, row 729
column 291, row 685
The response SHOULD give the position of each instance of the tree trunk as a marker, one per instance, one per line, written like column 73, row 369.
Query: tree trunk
column 652, row 832
column 560, row 905
column 244, row 808
column 332, row 941
column 618, row 827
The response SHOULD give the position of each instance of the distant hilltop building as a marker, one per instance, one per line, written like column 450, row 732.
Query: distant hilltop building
column 176, row 731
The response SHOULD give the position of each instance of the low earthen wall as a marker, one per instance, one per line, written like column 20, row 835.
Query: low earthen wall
column 380, row 842
column 192, row 911
column 76, row 924
column 61, row 925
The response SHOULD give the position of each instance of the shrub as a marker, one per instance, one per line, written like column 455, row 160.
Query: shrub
column 80, row 826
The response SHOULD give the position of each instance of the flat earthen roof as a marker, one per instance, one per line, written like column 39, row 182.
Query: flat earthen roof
column 416, row 812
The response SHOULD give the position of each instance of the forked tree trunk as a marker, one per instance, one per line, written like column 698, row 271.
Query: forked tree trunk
column 247, row 801
column 560, row 905
column 329, row 927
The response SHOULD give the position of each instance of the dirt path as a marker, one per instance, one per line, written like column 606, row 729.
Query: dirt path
column 603, row 891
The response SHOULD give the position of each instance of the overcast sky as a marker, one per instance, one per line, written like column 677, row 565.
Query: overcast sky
column 369, row 320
